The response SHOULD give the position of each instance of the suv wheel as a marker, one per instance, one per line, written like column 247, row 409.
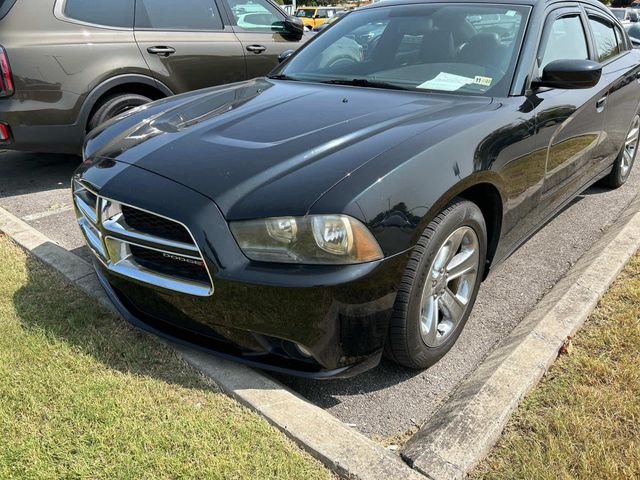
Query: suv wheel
column 115, row 105
column 439, row 286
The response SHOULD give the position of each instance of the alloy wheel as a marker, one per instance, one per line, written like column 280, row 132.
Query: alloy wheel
column 630, row 147
column 449, row 286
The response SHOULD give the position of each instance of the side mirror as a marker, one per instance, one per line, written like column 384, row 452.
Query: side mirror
column 284, row 55
column 634, row 17
column 294, row 27
column 570, row 74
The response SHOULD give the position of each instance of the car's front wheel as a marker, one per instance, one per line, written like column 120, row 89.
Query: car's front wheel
column 439, row 286
column 624, row 163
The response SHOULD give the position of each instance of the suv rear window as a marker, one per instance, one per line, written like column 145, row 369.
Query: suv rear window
column 5, row 6
column 112, row 13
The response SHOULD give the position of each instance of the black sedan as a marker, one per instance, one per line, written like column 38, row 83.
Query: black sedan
column 352, row 202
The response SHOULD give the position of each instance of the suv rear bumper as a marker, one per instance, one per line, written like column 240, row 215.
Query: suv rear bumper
column 42, row 126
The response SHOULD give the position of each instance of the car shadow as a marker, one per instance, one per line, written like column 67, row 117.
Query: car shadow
column 594, row 190
column 385, row 375
column 62, row 313
column 23, row 172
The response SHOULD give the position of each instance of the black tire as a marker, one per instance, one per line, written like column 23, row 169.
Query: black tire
column 405, row 344
column 115, row 105
column 620, row 171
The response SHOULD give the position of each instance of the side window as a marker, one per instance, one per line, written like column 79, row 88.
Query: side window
column 191, row 15
column 256, row 15
column 114, row 13
column 622, row 44
column 322, row 14
column 605, row 37
column 566, row 41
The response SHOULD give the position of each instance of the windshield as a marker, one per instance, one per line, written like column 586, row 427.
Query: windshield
column 305, row 12
column 462, row 48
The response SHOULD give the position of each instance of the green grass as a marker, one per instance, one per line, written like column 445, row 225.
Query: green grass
column 83, row 395
column 583, row 419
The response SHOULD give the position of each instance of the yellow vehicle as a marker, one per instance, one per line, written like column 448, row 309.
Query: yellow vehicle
column 314, row 16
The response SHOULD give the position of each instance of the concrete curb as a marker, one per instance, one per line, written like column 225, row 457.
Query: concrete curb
column 339, row 447
column 463, row 431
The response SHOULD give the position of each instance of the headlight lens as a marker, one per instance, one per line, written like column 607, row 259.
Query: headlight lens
column 314, row 239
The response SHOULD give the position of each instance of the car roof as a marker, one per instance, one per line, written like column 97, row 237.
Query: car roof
column 386, row 3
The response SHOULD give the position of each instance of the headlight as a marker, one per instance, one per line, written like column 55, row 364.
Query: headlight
column 314, row 239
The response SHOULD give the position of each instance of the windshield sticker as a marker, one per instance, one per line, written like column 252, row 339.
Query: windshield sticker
column 484, row 81
column 510, row 13
column 447, row 82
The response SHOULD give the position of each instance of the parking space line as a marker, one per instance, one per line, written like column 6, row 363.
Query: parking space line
column 48, row 213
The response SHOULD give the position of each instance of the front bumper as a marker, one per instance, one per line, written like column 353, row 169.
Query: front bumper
column 259, row 314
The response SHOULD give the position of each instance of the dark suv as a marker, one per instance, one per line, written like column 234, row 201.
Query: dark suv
column 68, row 65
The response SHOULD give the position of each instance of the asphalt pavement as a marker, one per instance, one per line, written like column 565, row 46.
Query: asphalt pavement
column 388, row 400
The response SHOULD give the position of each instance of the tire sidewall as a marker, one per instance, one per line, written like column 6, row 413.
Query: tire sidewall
column 112, row 106
column 465, row 214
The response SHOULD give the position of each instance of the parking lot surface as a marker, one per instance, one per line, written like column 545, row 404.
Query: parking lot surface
column 388, row 400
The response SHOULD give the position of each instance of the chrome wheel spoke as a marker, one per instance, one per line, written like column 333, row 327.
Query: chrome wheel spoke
column 454, row 242
column 429, row 320
column 463, row 263
column 453, row 305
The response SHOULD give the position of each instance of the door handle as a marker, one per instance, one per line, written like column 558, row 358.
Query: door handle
column 256, row 48
column 600, row 104
column 161, row 51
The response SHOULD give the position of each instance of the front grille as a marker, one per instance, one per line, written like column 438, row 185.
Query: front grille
column 154, row 225
column 172, row 265
column 141, row 245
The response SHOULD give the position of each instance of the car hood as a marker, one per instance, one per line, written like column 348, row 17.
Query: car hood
column 265, row 148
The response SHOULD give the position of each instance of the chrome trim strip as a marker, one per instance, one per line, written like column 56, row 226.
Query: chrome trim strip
column 86, row 210
column 147, row 247
column 114, row 226
column 123, row 263
column 133, row 270
column 92, row 237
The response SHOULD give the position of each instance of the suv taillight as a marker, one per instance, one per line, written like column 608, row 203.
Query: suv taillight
column 5, row 133
column 6, row 82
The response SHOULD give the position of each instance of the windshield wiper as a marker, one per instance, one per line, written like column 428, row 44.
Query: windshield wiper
column 363, row 82
column 282, row 76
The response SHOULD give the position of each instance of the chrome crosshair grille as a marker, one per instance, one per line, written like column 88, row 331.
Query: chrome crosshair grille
column 141, row 245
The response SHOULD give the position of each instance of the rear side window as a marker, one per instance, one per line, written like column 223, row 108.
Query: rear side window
column 114, row 13
column 257, row 15
column 5, row 6
column 605, row 36
column 178, row 15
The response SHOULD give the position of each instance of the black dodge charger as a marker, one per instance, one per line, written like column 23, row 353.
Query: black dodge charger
column 351, row 203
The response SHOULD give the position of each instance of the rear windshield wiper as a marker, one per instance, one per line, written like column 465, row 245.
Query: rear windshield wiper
column 363, row 82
